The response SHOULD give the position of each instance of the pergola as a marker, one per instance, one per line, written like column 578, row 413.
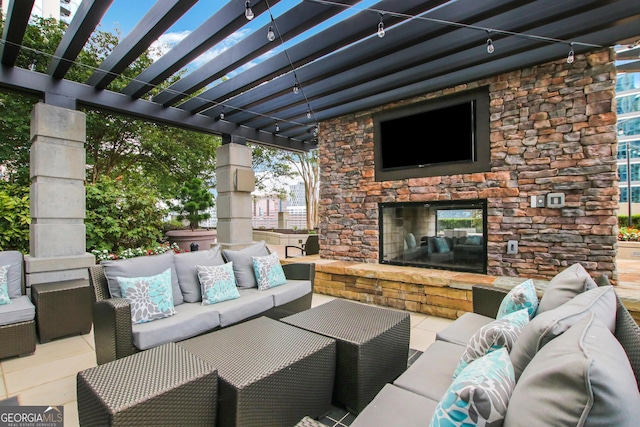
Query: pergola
column 327, row 65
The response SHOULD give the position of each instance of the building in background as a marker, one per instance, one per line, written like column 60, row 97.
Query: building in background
column 62, row 10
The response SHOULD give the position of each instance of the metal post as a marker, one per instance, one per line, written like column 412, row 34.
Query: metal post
column 629, row 221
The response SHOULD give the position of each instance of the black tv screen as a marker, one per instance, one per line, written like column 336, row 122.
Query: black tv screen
column 443, row 136
column 456, row 130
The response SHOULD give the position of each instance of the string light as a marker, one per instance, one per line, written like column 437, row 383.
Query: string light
column 277, row 127
column 490, row 47
column 296, row 87
column 248, row 13
column 271, row 36
column 571, row 57
column 308, row 113
column 222, row 113
column 381, row 31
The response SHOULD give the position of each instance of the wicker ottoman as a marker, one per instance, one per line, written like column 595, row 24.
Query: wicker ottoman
column 62, row 308
column 163, row 386
column 270, row 374
column 373, row 346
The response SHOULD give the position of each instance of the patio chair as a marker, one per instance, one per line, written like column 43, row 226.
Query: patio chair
column 17, row 318
column 310, row 247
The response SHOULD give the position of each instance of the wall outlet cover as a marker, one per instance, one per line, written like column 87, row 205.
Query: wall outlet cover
column 555, row 200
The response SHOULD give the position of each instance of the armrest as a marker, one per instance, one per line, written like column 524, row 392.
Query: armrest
column 300, row 271
column 112, row 330
column 286, row 250
column 487, row 299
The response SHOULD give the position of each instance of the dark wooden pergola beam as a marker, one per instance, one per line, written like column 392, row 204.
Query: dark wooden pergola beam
column 15, row 26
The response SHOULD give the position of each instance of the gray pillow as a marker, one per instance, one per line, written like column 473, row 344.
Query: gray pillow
column 243, row 263
column 550, row 324
column 564, row 286
column 188, row 275
column 14, row 276
column 141, row 266
column 581, row 378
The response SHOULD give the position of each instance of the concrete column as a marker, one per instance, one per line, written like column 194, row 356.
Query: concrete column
column 236, row 181
column 57, row 196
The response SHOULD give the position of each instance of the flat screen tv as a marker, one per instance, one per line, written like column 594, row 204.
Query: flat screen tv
column 444, row 136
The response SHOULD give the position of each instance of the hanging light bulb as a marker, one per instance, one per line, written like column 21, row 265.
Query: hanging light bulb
column 222, row 114
column 277, row 127
column 271, row 36
column 248, row 13
column 296, row 88
column 308, row 114
column 381, row 31
column 571, row 57
column 314, row 132
column 490, row 47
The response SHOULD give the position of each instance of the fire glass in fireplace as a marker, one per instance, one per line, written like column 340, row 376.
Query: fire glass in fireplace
column 450, row 235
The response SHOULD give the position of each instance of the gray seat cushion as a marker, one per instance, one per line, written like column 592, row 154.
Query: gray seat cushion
column 14, row 277
column 394, row 406
column 251, row 303
column 432, row 373
column 460, row 331
column 243, row 263
column 20, row 310
column 190, row 320
column 564, row 286
column 288, row 292
column 186, row 270
column 142, row 266
column 581, row 378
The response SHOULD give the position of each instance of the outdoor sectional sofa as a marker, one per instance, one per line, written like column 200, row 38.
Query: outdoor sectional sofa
column 568, row 366
column 117, row 336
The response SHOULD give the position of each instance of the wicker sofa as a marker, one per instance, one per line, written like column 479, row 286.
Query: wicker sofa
column 562, row 384
column 116, row 336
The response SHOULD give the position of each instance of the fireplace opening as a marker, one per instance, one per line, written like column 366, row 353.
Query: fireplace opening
column 449, row 235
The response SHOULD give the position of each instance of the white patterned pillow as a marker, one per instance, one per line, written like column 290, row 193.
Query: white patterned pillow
column 4, row 285
column 217, row 282
column 522, row 296
column 150, row 297
column 268, row 270
column 500, row 333
column 479, row 395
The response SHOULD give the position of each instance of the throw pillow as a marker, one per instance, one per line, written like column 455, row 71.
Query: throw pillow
column 186, row 269
column 150, row 297
column 474, row 240
column 243, row 264
column 269, row 272
column 4, row 285
column 564, row 286
column 581, row 378
column 522, row 296
column 14, row 277
column 548, row 325
column 441, row 245
column 500, row 333
column 218, row 283
column 411, row 241
column 479, row 395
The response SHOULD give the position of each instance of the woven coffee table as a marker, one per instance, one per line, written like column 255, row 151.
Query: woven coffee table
column 163, row 386
column 270, row 373
column 373, row 346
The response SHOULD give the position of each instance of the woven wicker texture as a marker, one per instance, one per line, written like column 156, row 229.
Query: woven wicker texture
column 628, row 334
column 271, row 374
column 17, row 339
column 62, row 308
column 487, row 299
column 164, row 386
column 373, row 346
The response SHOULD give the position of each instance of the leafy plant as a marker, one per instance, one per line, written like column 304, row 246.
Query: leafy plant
column 14, row 217
column 104, row 254
column 628, row 234
column 623, row 220
column 195, row 199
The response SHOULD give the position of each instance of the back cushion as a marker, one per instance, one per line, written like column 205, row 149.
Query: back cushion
column 564, row 286
column 548, row 325
column 188, row 275
column 581, row 378
column 243, row 263
column 14, row 275
column 140, row 267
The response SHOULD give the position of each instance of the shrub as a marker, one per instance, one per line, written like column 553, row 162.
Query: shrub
column 195, row 199
column 104, row 254
column 14, row 217
column 628, row 234
column 623, row 220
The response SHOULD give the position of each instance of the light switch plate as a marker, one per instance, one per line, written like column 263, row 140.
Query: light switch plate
column 537, row 201
column 512, row 247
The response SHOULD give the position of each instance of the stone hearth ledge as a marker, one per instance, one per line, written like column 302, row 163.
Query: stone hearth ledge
column 434, row 292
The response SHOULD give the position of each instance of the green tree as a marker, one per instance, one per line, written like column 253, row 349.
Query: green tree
column 308, row 168
column 195, row 200
column 14, row 217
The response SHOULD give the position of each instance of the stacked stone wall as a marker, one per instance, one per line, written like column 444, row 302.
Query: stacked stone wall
column 552, row 129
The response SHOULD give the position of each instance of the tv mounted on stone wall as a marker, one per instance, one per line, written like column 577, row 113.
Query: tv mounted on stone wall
column 444, row 136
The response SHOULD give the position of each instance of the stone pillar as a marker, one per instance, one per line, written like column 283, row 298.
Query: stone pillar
column 236, row 181
column 57, row 196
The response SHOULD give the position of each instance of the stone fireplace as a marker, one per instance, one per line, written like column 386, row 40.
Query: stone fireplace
column 551, row 130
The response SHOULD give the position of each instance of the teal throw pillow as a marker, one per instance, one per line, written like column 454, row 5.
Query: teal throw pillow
column 474, row 240
column 479, row 395
column 150, row 297
column 441, row 245
column 217, row 282
column 268, row 270
column 4, row 285
column 522, row 296
column 500, row 333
